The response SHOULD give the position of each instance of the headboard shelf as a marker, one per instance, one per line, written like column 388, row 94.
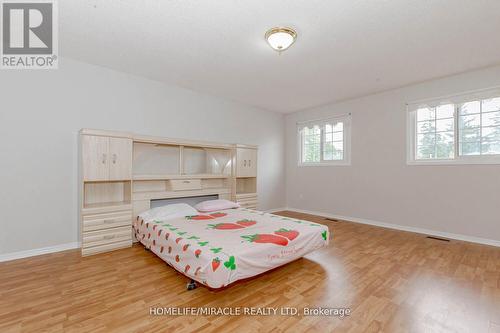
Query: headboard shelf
column 180, row 142
column 194, row 176
column 150, row 159
column 178, row 194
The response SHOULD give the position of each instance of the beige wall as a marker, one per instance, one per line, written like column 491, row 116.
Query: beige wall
column 379, row 186
column 42, row 111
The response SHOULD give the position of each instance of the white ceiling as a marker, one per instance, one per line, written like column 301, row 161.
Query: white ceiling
column 345, row 48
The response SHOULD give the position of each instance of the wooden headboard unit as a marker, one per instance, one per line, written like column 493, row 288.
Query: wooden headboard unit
column 188, row 200
column 122, row 172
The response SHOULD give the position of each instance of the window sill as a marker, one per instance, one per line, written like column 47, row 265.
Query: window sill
column 325, row 164
column 460, row 161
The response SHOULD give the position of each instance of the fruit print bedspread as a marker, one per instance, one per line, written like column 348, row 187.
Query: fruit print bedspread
column 217, row 249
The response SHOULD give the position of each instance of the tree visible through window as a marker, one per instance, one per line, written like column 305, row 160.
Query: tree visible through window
column 479, row 126
column 311, row 144
column 457, row 131
column 334, row 142
column 323, row 141
column 435, row 132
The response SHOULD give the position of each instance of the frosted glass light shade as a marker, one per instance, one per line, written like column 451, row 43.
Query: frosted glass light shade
column 280, row 39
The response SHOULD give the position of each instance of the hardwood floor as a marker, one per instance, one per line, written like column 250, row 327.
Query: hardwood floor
column 392, row 281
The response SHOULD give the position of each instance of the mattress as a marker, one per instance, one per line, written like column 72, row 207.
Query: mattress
column 217, row 249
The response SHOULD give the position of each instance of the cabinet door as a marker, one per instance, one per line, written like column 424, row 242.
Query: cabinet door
column 252, row 163
column 95, row 158
column 246, row 162
column 241, row 162
column 120, row 159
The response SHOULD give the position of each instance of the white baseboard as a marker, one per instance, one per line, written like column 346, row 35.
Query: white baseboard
column 37, row 252
column 417, row 230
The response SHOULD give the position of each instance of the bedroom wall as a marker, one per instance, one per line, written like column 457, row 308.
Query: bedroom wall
column 41, row 113
column 379, row 186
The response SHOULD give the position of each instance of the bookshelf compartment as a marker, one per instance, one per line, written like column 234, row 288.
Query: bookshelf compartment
column 102, row 194
column 246, row 185
column 156, row 159
column 209, row 161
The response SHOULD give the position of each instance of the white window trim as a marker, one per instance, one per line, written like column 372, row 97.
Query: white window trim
column 346, row 118
column 457, row 160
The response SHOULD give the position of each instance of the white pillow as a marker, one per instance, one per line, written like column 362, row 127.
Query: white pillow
column 214, row 205
column 168, row 212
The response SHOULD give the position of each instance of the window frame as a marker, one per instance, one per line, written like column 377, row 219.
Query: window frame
column 457, row 159
column 346, row 132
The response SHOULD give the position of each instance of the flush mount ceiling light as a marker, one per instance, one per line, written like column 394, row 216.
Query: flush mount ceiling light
column 281, row 38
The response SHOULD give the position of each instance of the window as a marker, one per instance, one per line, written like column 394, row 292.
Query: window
column 324, row 142
column 479, row 127
column 435, row 132
column 463, row 130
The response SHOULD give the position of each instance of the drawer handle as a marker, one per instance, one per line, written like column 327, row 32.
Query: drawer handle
column 108, row 221
column 187, row 182
column 109, row 236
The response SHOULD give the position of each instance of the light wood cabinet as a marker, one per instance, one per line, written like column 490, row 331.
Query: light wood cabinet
column 120, row 154
column 95, row 157
column 106, row 213
column 122, row 173
column 246, row 162
column 106, row 158
column 246, row 176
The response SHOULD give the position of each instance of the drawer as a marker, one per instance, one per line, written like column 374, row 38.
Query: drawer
column 185, row 184
column 243, row 196
column 108, row 220
column 106, row 236
column 249, row 205
column 254, row 199
column 105, row 248
column 245, row 199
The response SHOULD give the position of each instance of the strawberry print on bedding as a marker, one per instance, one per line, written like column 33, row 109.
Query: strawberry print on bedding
column 220, row 248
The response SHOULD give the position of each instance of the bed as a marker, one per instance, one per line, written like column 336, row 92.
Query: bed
column 220, row 248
